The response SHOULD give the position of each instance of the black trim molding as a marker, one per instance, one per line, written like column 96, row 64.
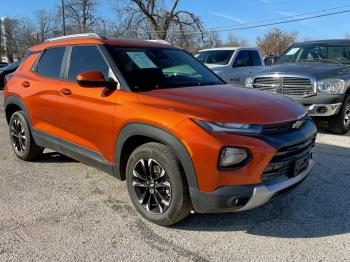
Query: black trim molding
column 159, row 134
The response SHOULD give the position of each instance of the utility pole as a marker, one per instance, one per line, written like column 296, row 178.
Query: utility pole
column 63, row 19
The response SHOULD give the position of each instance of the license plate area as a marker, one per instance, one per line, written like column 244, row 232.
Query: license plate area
column 301, row 164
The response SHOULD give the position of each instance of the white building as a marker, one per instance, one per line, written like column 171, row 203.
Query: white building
column 3, row 43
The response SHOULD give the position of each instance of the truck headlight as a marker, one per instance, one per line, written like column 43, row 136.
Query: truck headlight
column 232, row 157
column 331, row 86
column 249, row 82
column 219, row 127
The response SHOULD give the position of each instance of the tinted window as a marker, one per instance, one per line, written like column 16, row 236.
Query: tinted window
column 255, row 58
column 242, row 59
column 86, row 58
column 50, row 62
column 218, row 57
column 151, row 68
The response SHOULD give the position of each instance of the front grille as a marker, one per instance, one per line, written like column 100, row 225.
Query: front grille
column 283, row 127
column 284, row 164
column 289, row 86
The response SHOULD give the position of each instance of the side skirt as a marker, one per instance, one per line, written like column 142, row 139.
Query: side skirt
column 79, row 153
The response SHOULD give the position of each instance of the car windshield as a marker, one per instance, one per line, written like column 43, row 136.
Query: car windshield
column 150, row 68
column 331, row 53
column 216, row 57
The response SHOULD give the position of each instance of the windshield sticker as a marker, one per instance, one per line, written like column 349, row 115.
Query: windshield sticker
column 293, row 51
column 141, row 60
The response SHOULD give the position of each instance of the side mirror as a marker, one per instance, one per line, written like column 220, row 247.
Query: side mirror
column 94, row 79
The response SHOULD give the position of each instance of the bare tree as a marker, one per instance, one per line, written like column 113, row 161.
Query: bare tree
column 233, row 41
column 275, row 41
column 82, row 14
column 46, row 24
column 159, row 19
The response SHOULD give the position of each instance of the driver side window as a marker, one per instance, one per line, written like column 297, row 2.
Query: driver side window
column 87, row 58
column 242, row 59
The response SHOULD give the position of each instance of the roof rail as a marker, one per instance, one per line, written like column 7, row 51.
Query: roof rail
column 74, row 36
column 159, row 41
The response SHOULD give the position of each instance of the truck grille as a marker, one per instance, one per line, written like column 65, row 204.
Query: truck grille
column 284, row 164
column 285, row 85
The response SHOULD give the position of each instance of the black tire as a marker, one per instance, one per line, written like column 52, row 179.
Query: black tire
column 340, row 123
column 21, row 138
column 157, row 157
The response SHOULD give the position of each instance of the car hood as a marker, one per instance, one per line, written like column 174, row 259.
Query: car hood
column 215, row 67
column 317, row 70
column 225, row 103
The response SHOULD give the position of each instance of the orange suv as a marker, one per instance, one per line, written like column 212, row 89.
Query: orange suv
column 151, row 114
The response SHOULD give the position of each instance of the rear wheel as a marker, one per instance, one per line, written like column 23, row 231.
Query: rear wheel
column 21, row 138
column 340, row 123
column 156, row 184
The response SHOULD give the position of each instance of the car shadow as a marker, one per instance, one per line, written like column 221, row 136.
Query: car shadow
column 319, row 207
column 55, row 157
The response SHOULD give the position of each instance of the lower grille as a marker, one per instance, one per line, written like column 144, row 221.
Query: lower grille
column 286, row 85
column 289, row 161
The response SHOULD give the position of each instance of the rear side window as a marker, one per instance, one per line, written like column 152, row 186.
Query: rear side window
column 86, row 58
column 50, row 62
column 255, row 58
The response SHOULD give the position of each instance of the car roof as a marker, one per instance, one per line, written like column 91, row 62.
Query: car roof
column 86, row 39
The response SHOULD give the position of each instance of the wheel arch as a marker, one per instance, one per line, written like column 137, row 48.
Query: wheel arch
column 135, row 134
column 14, row 104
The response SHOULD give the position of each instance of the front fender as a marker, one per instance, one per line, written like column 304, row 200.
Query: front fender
column 165, row 137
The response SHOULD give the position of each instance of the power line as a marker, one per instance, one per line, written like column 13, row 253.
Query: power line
column 285, row 22
column 244, row 26
column 281, row 18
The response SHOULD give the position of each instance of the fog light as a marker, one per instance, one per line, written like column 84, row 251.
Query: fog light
column 232, row 156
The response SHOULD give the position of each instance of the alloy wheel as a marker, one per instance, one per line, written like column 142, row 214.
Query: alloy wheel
column 18, row 136
column 151, row 185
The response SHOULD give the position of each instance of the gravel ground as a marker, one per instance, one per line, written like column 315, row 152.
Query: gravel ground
column 60, row 210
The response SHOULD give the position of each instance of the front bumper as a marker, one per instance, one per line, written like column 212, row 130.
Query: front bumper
column 245, row 197
column 324, row 109
column 322, row 105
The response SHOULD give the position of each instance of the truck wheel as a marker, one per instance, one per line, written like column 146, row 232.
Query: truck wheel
column 21, row 138
column 340, row 123
column 156, row 185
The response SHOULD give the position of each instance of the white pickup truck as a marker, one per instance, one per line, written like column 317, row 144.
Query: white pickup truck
column 232, row 64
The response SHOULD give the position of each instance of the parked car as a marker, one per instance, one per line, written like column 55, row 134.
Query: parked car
column 151, row 114
column 232, row 64
column 317, row 75
column 3, row 64
column 7, row 70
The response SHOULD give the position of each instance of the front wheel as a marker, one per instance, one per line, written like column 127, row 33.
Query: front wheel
column 340, row 123
column 156, row 185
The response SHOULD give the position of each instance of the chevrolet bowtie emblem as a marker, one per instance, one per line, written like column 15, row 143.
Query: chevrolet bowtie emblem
column 298, row 124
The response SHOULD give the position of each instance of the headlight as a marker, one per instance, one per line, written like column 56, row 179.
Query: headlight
column 232, row 156
column 220, row 127
column 331, row 86
column 249, row 82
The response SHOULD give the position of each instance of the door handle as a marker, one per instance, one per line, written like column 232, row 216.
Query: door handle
column 65, row 91
column 25, row 84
